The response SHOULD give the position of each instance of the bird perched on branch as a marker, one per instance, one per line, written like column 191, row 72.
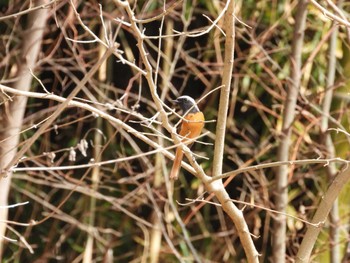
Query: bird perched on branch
column 191, row 127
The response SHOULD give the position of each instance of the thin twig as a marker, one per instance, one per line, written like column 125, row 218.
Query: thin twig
column 279, row 163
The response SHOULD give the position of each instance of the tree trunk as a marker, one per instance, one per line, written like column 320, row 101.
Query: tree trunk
column 13, row 110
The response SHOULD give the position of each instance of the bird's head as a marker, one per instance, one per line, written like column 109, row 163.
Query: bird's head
column 187, row 104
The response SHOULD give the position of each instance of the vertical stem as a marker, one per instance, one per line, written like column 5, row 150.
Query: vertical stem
column 156, row 233
column 281, row 191
column 235, row 214
column 225, row 91
column 95, row 174
column 327, row 141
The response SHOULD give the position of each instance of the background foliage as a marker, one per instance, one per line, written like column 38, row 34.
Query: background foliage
column 121, row 212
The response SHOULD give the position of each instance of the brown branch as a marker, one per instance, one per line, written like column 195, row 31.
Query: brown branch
column 327, row 201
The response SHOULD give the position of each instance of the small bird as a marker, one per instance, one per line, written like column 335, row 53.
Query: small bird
column 191, row 127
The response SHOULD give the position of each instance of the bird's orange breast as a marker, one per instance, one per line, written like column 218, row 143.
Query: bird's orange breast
column 193, row 125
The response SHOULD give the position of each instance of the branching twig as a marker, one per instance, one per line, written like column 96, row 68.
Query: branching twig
column 256, row 206
column 216, row 186
column 330, row 15
column 29, row 10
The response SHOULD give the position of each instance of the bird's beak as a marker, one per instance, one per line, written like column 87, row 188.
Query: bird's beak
column 175, row 101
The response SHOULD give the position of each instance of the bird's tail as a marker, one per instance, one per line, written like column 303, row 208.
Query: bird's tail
column 174, row 174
